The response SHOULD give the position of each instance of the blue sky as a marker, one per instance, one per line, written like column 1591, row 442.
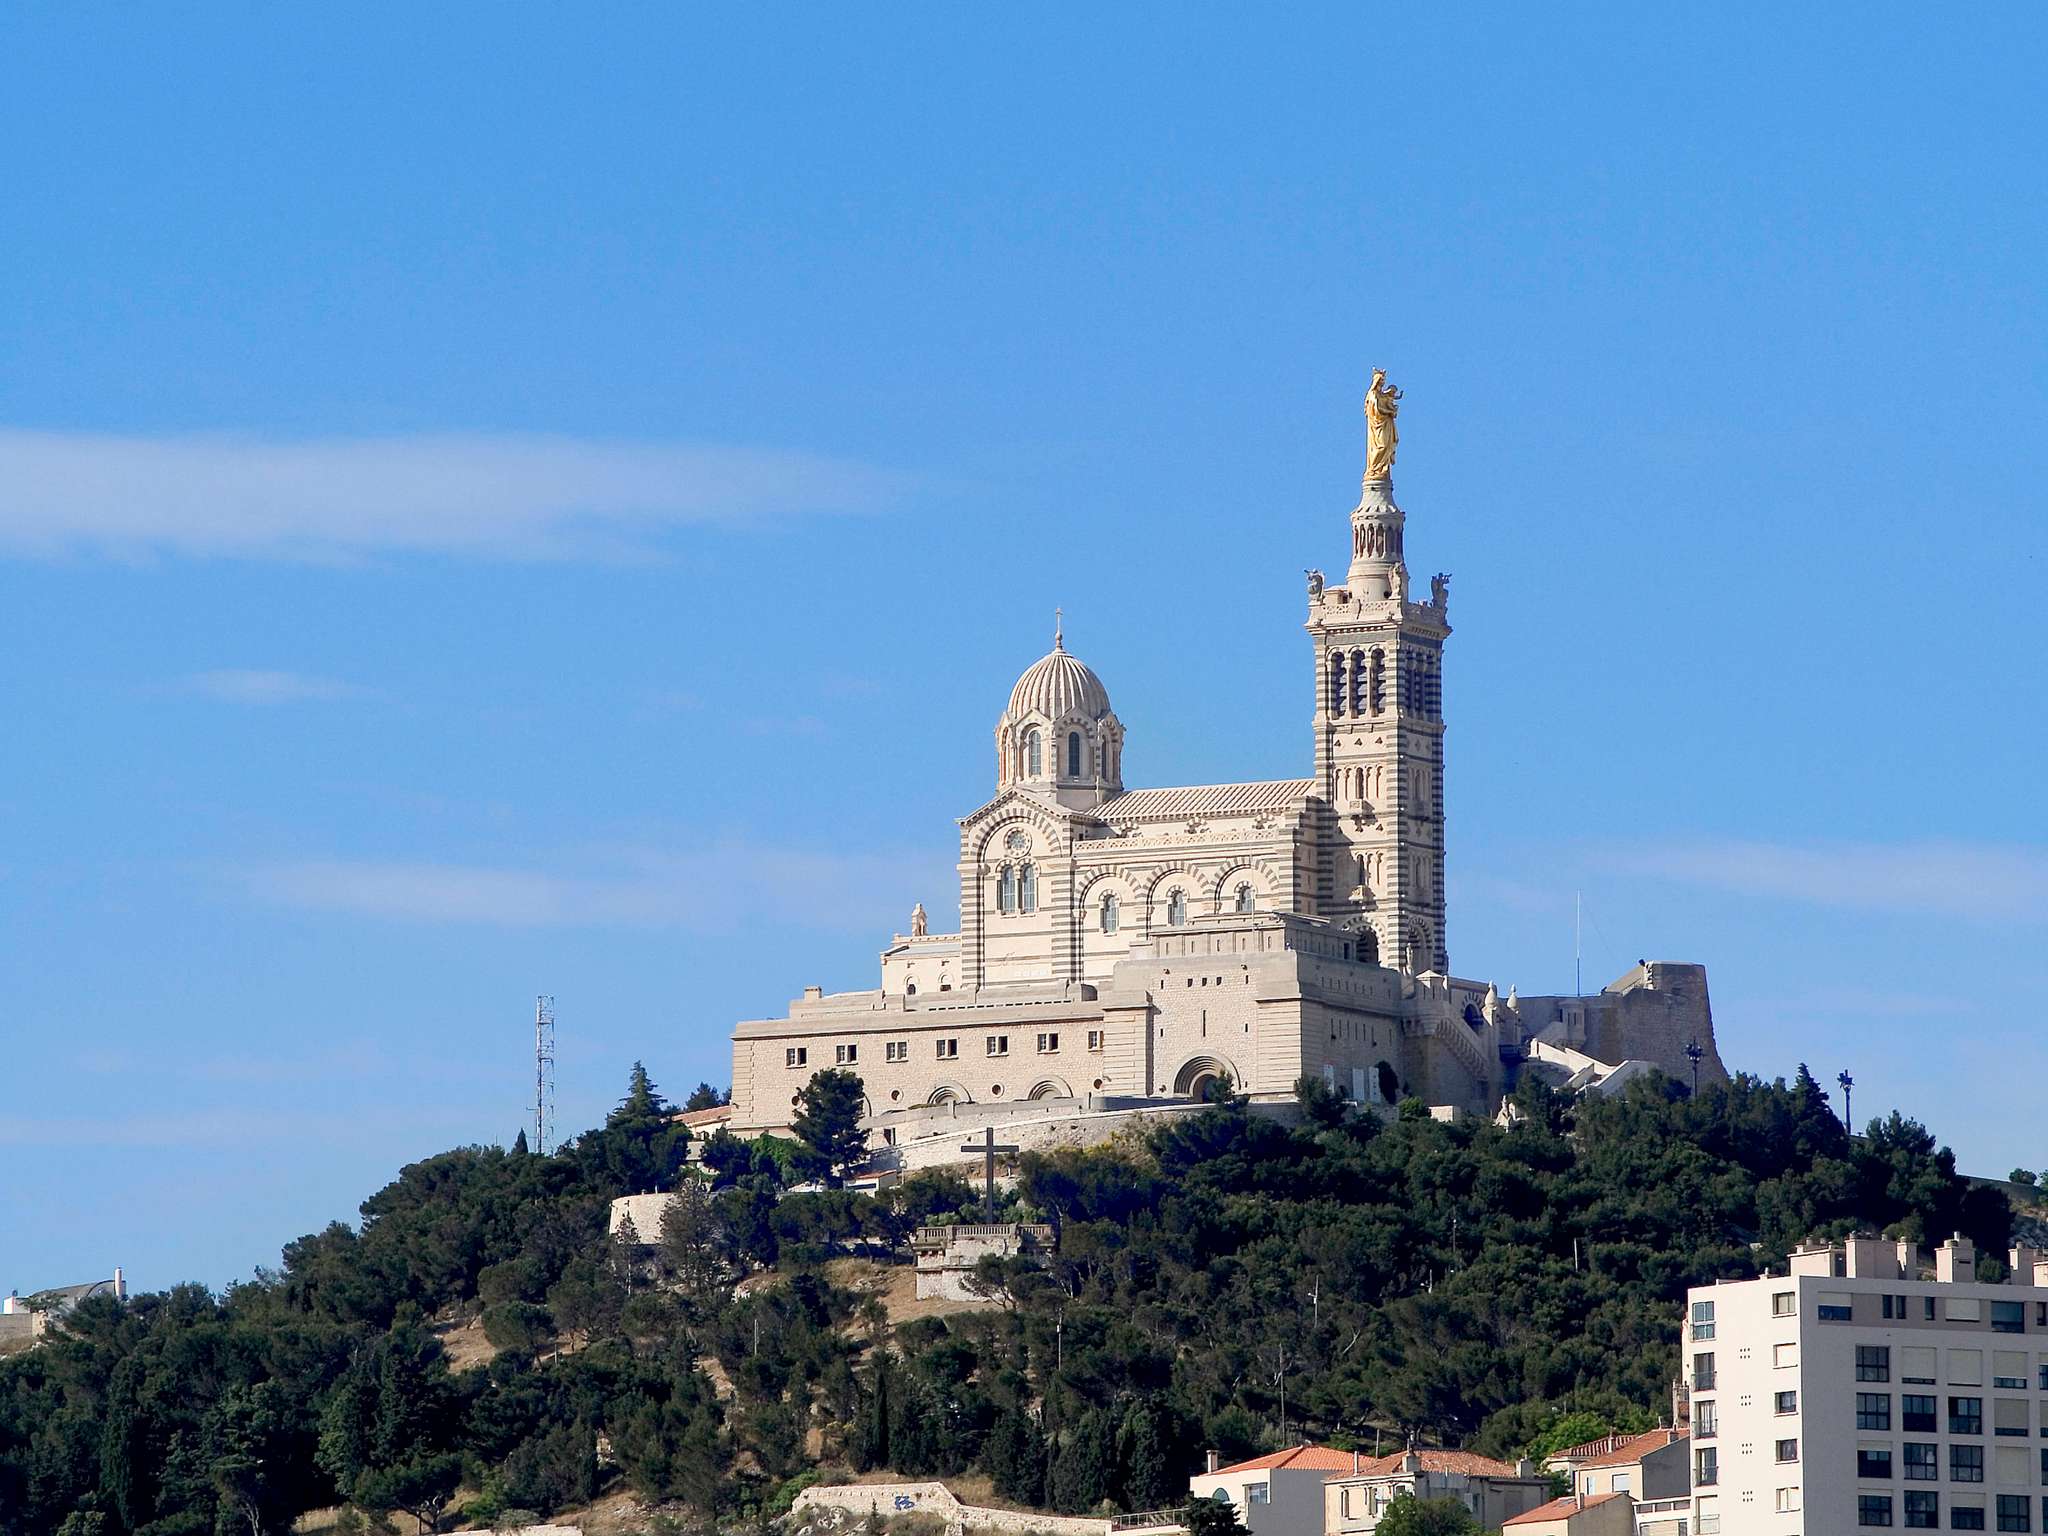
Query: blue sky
column 500, row 500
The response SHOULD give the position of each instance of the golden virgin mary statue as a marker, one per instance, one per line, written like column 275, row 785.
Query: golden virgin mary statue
column 1382, row 404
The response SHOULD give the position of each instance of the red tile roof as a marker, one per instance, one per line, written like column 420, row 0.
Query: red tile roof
column 1558, row 1509
column 1630, row 1449
column 1309, row 1458
column 1462, row 1463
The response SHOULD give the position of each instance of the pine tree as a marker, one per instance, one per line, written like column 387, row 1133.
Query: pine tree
column 1147, row 1477
column 519, row 1147
column 1015, row 1457
column 827, row 1124
column 118, row 1445
column 1084, row 1465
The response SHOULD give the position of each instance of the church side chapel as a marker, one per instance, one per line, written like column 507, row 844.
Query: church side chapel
column 1120, row 948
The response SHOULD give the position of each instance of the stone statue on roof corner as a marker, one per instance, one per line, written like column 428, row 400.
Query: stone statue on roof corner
column 1382, row 404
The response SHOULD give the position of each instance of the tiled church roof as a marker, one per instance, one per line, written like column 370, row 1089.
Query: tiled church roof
column 1205, row 800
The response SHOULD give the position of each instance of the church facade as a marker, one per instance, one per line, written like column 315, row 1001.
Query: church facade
column 1121, row 946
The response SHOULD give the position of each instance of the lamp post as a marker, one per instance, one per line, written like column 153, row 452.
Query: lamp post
column 1693, row 1053
column 1847, row 1083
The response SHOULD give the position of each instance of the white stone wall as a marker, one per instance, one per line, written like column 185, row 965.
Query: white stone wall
column 880, row 1501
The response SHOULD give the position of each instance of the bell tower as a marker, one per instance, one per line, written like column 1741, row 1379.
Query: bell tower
column 1379, row 726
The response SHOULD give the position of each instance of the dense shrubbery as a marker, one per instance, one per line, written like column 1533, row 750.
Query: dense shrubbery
column 1228, row 1283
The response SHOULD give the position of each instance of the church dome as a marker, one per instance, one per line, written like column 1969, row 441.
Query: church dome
column 1058, row 686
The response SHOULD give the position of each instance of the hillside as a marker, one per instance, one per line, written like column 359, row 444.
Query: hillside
column 1230, row 1283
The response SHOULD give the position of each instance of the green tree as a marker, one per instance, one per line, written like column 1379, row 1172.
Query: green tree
column 827, row 1124
column 1410, row 1516
column 1014, row 1457
column 704, row 1096
column 1084, row 1465
column 1212, row 1517
column 120, row 1436
column 1148, row 1474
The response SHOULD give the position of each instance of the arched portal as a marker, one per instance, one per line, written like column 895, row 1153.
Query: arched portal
column 1050, row 1088
column 1200, row 1074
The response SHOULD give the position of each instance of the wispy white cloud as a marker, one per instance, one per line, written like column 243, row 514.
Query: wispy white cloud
column 1981, row 882
column 720, row 889
column 238, row 685
column 502, row 496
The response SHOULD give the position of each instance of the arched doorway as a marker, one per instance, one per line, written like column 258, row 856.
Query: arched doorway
column 1198, row 1077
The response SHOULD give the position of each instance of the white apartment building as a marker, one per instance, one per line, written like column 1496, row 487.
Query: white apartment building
column 1860, row 1392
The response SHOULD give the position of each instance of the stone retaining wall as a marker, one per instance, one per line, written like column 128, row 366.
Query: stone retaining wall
column 883, row 1500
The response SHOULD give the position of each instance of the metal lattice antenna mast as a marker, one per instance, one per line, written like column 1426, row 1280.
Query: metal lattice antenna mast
column 543, row 1072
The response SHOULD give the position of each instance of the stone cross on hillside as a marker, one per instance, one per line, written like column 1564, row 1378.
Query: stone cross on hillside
column 988, row 1147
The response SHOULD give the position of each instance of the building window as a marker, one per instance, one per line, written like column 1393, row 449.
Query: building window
column 1873, row 1509
column 1788, row 1500
column 1966, row 1416
column 1047, row 1044
column 796, row 1056
column 2009, row 1416
column 1706, row 1419
column 1916, row 1412
column 896, row 1050
column 1031, row 754
column 1784, row 1303
column 1006, row 890
column 1702, row 1320
column 845, row 1055
column 1176, row 909
column 1703, row 1372
column 1336, row 682
column 1788, row 1450
column 1244, row 898
column 1709, row 1523
column 2009, row 1369
column 1874, row 1464
column 948, row 1049
column 1706, row 1466
column 1923, row 1462
column 1966, row 1463
column 1916, row 1364
column 1873, row 1410
column 1258, row 1493
column 1073, row 754
column 2009, row 1317
column 1873, row 1362
column 1927, row 1308
column 1923, row 1511
column 1109, row 914
column 1788, row 1402
column 1784, row 1356
column 1834, row 1307
column 999, row 1045
column 1027, row 888
column 2015, row 1512
column 1966, row 1517
column 1094, row 1039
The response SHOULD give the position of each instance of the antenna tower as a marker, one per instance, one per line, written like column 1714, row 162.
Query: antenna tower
column 543, row 1072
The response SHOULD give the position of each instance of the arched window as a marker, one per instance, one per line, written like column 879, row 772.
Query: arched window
column 1032, row 766
column 1176, row 909
column 1073, row 754
column 1109, row 912
column 1006, row 890
column 1378, row 685
column 1368, row 946
column 1028, row 889
column 1358, row 683
column 1244, row 898
column 1336, row 682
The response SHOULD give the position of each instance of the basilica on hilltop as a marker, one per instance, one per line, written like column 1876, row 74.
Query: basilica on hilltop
column 1118, row 947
